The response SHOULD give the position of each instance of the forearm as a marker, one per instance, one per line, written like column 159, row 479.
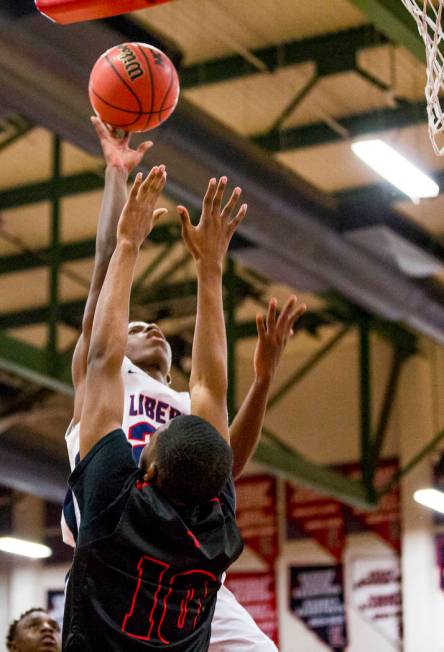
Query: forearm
column 209, row 356
column 110, row 327
column 246, row 427
column 114, row 198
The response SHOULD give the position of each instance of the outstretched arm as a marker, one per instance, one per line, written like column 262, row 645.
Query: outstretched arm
column 208, row 243
column 120, row 161
column 102, row 409
column 273, row 335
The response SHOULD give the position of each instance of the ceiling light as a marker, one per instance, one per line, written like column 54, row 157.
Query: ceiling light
column 430, row 498
column 394, row 167
column 25, row 548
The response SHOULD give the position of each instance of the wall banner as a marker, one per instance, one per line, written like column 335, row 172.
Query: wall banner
column 385, row 521
column 257, row 515
column 55, row 604
column 256, row 591
column 317, row 598
column 375, row 591
column 312, row 515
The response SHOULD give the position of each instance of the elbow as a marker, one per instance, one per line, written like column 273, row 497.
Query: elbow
column 217, row 385
column 104, row 358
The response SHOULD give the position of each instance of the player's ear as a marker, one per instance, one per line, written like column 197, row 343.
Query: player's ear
column 151, row 473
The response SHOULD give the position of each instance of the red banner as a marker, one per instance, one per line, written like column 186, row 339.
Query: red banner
column 319, row 517
column 256, row 515
column 256, row 591
column 385, row 521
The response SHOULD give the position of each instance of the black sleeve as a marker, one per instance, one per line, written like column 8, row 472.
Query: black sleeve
column 100, row 483
column 228, row 495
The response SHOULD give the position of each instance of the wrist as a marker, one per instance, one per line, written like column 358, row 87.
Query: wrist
column 117, row 170
column 209, row 267
column 263, row 380
column 127, row 246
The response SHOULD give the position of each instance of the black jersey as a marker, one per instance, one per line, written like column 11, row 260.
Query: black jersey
column 145, row 574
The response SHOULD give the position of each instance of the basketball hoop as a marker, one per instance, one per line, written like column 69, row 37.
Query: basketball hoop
column 428, row 20
column 76, row 11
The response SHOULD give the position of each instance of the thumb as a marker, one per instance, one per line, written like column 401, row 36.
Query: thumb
column 158, row 213
column 184, row 217
column 144, row 147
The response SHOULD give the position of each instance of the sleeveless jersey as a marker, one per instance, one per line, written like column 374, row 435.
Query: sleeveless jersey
column 148, row 405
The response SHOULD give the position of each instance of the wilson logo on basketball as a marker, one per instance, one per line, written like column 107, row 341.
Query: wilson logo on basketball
column 132, row 65
column 158, row 58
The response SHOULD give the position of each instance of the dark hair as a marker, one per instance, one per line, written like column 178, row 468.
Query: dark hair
column 10, row 636
column 193, row 460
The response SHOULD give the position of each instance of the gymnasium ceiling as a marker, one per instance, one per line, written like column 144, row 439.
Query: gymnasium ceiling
column 299, row 79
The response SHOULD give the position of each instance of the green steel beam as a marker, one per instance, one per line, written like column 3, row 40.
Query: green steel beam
column 55, row 258
column 41, row 257
column 33, row 193
column 343, row 44
column 31, row 363
column 294, row 467
column 163, row 233
column 154, row 264
column 392, row 19
column 294, row 102
column 20, row 127
column 307, row 366
column 71, row 311
column 405, row 114
column 399, row 357
column 416, row 459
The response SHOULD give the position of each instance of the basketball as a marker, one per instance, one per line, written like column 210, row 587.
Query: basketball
column 133, row 86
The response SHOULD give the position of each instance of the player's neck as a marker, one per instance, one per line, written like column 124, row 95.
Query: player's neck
column 155, row 373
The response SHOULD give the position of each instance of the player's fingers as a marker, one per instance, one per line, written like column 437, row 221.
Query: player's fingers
column 149, row 180
column 100, row 127
column 297, row 314
column 160, row 185
column 271, row 314
column 209, row 195
column 286, row 311
column 234, row 223
column 125, row 137
column 136, row 186
column 159, row 180
column 294, row 318
column 231, row 203
column 260, row 325
column 218, row 195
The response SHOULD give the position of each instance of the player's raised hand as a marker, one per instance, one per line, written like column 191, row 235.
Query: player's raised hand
column 208, row 241
column 138, row 216
column 274, row 333
column 116, row 150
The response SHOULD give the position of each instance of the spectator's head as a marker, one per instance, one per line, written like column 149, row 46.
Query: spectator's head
column 34, row 631
column 188, row 460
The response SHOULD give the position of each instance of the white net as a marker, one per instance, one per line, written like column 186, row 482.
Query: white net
column 429, row 21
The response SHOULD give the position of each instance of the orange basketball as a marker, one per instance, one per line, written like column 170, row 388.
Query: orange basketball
column 133, row 86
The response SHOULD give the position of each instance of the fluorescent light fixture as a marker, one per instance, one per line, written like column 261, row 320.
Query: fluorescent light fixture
column 25, row 548
column 391, row 165
column 430, row 498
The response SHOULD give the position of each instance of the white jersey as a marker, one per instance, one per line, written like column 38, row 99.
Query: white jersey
column 148, row 405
